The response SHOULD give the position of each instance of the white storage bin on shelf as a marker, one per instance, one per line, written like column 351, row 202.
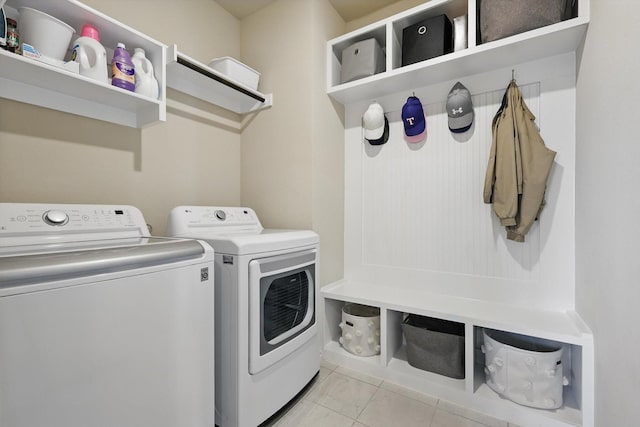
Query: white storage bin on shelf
column 524, row 369
column 237, row 71
column 38, row 83
column 360, row 329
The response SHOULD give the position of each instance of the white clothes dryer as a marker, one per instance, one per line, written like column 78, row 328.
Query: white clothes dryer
column 267, row 340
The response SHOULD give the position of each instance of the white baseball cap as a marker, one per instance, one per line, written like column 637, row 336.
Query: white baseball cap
column 373, row 122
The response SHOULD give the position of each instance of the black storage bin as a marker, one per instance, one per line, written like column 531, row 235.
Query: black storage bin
column 435, row 345
column 427, row 39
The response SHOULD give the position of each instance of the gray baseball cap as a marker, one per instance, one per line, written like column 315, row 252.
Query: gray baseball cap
column 459, row 108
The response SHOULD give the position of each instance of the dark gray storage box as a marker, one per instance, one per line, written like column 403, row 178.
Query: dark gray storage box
column 427, row 39
column 435, row 345
column 362, row 59
column 504, row 18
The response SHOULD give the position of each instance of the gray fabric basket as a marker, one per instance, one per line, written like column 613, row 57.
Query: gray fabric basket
column 362, row 59
column 504, row 18
column 435, row 345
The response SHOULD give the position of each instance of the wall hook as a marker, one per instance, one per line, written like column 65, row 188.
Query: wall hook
column 513, row 74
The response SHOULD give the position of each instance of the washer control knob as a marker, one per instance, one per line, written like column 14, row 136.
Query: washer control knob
column 55, row 217
column 220, row 215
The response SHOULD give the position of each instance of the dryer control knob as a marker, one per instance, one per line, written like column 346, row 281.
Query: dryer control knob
column 55, row 217
column 221, row 215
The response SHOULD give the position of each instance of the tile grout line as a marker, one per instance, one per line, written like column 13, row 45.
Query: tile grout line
column 379, row 387
column 368, row 402
column 466, row 417
column 434, row 412
column 340, row 413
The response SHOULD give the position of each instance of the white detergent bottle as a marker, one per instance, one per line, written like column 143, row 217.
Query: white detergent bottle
column 91, row 55
column 146, row 83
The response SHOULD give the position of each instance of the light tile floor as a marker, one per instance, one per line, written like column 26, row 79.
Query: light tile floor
column 340, row 397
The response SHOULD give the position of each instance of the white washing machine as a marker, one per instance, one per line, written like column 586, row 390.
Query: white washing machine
column 100, row 323
column 267, row 340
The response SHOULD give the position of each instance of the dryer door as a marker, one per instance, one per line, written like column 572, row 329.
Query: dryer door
column 282, row 306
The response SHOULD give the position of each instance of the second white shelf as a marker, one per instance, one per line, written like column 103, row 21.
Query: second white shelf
column 192, row 77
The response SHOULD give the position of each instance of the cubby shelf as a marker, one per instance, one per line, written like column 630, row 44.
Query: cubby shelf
column 562, row 37
column 394, row 301
column 397, row 297
column 26, row 80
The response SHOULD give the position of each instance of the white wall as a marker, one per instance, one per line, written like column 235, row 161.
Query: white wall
column 327, row 148
column 276, row 146
column 52, row 157
column 608, row 205
column 292, row 153
column 392, row 9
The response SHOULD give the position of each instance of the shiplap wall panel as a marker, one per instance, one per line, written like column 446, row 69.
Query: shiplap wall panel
column 414, row 214
column 422, row 203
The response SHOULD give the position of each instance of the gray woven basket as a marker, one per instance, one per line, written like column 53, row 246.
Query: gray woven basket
column 435, row 345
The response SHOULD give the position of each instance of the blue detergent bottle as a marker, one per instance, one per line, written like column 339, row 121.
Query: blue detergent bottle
column 123, row 69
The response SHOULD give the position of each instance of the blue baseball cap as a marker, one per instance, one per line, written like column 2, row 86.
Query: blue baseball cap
column 415, row 124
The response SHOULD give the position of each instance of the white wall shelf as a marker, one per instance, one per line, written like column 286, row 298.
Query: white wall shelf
column 547, row 41
column 394, row 301
column 26, row 80
column 196, row 79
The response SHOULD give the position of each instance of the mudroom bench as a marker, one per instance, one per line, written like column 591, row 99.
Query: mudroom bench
column 396, row 302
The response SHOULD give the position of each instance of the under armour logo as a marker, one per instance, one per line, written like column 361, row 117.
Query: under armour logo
column 456, row 110
column 410, row 120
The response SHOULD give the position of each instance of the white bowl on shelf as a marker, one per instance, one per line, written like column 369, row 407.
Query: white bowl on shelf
column 49, row 35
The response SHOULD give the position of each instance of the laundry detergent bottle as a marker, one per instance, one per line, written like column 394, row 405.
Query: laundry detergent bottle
column 146, row 83
column 123, row 69
column 91, row 55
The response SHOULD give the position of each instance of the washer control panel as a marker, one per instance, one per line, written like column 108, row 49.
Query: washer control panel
column 22, row 218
